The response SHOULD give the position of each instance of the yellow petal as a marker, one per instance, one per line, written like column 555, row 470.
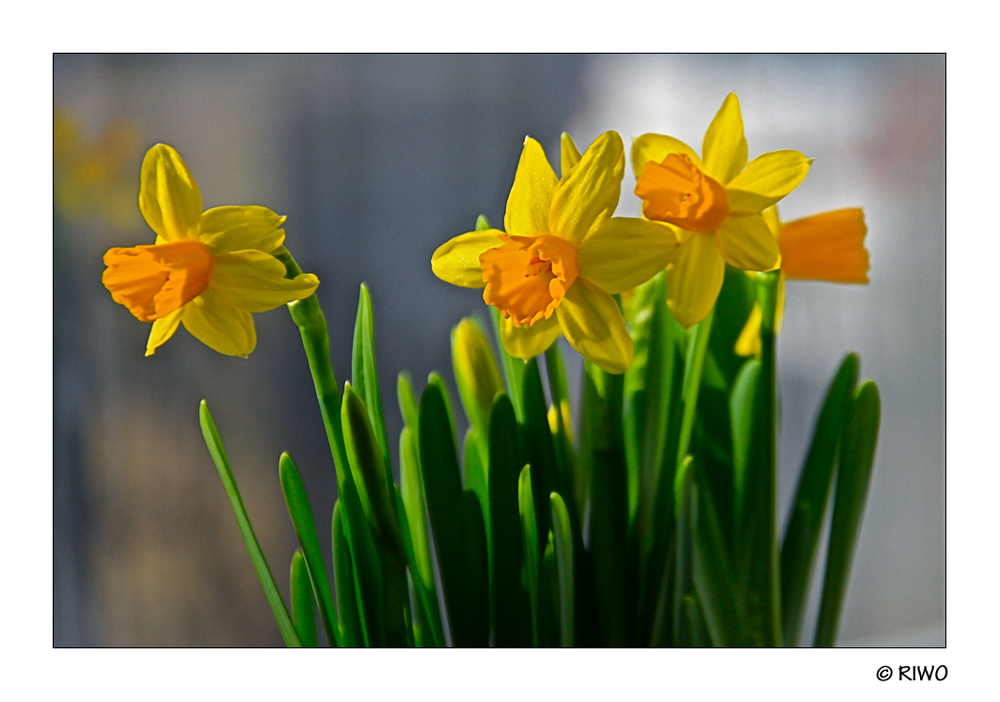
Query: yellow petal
column 220, row 325
column 162, row 330
column 169, row 197
column 724, row 150
column 569, row 154
column 527, row 342
column 694, row 278
column 747, row 243
column 656, row 147
column 625, row 252
column 766, row 179
column 457, row 261
column 588, row 194
column 255, row 281
column 828, row 246
column 227, row 229
column 531, row 195
column 594, row 325
column 770, row 216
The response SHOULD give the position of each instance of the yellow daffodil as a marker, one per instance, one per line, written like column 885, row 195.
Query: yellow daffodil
column 562, row 256
column 828, row 246
column 209, row 269
column 714, row 204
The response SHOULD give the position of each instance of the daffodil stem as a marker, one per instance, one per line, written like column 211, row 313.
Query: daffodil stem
column 693, row 365
column 308, row 317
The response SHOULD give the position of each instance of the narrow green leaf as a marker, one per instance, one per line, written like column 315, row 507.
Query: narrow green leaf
column 694, row 363
column 443, row 492
column 741, row 408
column 218, row 452
column 407, row 402
column 568, row 479
column 683, row 571
column 475, row 624
column 368, row 469
column 435, row 379
column 343, row 576
column 530, row 543
column 367, row 567
column 712, row 570
column 302, row 601
column 798, row 550
column 854, row 472
column 301, row 515
column 364, row 374
column 482, row 223
column 565, row 567
column 537, row 442
column 549, row 596
column 508, row 606
column 476, row 373
column 696, row 630
column 513, row 368
column 476, row 475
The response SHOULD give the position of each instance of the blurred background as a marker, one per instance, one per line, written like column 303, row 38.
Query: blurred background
column 376, row 161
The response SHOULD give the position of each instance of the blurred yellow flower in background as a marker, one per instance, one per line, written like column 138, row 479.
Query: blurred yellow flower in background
column 562, row 256
column 209, row 270
column 713, row 203
column 828, row 246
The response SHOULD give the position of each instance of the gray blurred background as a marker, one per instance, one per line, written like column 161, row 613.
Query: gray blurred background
column 377, row 160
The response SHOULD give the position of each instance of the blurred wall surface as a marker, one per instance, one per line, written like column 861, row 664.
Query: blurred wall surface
column 377, row 160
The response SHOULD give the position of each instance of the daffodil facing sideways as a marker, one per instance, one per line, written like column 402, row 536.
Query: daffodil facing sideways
column 828, row 246
column 713, row 203
column 562, row 255
column 209, row 270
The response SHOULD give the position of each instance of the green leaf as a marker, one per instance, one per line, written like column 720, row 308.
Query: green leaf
column 741, row 408
column 683, row 571
column 513, row 368
column 367, row 567
column 508, row 606
column 694, row 626
column 343, row 576
column 476, row 373
column 218, row 452
column 482, row 223
column 364, row 372
column 475, row 623
column 549, row 596
column 407, row 403
column 565, row 568
column 537, row 442
column 530, row 543
column 297, row 502
column 302, row 601
column 368, row 469
column 435, row 379
column 476, row 475
column 854, row 471
column 570, row 483
column 802, row 535
column 443, row 492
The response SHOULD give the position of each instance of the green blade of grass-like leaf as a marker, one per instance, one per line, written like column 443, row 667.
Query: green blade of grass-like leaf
column 798, row 549
column 538, row 442
column 565, row 568
column 475, row 624
column 407, row 402
column 364, row 376
column 303, row 615
column 683, row 571
column 218, row 452
column 568, row 480
column 513, row 368
column 343, row 575
column 508, row 607
column 695, row 628
column 433, row 635
column 367, row 566
column 854, row 470
column 297, row 501
column 530, row 544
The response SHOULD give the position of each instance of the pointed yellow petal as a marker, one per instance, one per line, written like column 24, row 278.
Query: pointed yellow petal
column 747, row 243
column 625, row 252
column 694, row 278
column 169, row 197
column 457, row 261
column 770, row 216
column 765, row 180
column 588, row 195
column 255, row 281
column 569, row 154
column 526, row 342
column 594, row 325
column 227, row 229
column 656, row 147
column 828, row 246
column 779, row 311
column 748, row 343
column 220, row 325
column 724, row 150
column 531, row 195
column 162, row 330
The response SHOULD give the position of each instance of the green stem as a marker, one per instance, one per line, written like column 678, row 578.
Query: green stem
column 693, row 365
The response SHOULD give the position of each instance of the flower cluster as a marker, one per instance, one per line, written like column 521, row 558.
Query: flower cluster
column 563, row 255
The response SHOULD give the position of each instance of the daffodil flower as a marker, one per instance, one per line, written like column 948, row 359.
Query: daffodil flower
column 828, row 246
column 714, row 204
column 209, row 270
column 562, row 256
